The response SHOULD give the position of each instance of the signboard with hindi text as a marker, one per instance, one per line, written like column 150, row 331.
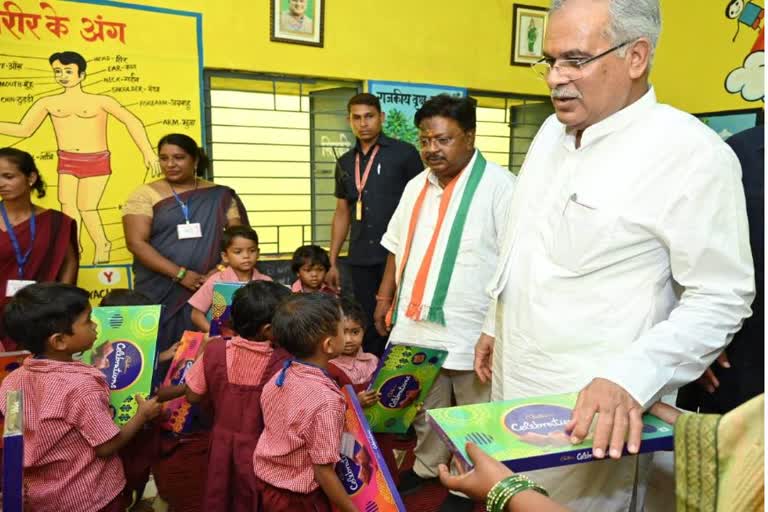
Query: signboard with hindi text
column 401, row 100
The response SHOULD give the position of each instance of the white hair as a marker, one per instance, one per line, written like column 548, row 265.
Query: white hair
column 629, row 20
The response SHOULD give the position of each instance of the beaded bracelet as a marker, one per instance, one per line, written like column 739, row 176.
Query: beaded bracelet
column 505, row 489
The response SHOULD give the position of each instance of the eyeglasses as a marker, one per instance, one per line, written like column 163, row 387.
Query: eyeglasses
column 570, row 69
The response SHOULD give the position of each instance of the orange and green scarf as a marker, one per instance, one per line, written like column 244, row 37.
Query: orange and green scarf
column 429, row 303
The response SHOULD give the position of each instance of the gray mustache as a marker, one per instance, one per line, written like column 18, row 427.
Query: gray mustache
column 561, row 94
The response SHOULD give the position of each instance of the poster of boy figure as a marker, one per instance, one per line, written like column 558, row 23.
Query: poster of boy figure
column 79, row 122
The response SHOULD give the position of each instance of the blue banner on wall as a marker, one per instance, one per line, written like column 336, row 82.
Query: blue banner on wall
column 400, row 101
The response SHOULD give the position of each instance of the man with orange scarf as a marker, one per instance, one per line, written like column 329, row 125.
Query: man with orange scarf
column 444, row 240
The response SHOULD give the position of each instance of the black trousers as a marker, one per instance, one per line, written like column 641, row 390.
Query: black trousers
column 365, row 283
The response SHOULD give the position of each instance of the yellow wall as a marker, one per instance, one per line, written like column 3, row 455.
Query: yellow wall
column 461, row 43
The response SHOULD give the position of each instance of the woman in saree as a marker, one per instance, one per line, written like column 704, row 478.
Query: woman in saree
column 719, row 466
column 36, row 244
column 173, row 228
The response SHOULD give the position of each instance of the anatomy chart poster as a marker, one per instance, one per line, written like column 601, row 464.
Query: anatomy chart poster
column 88, row 88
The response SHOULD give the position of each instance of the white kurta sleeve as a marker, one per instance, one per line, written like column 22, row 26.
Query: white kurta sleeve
column 502, row 203
column 704, row 226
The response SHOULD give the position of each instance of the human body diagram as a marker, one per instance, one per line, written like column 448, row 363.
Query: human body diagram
column 79, row 120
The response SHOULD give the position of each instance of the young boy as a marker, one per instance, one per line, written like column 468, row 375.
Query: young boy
column 303, row 412
column 240, row 251
column 71, row 442
column 311, row 263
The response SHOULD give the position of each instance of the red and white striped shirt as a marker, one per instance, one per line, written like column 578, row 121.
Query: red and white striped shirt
column 303, row 423
column 246, row 361
column 66, row 415
column 358, row 368
column 203, row 297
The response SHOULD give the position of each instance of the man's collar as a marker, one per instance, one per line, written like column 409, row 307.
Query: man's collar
column 433, row 179
column 612, row 123
column 382, row 140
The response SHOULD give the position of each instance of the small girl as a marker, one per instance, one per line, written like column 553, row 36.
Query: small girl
column 311, row 263
column 354, row 366
column 303, row 412
column 231, row 375
column 240, row 251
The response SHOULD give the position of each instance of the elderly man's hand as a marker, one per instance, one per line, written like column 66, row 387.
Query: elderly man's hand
column 618, row 414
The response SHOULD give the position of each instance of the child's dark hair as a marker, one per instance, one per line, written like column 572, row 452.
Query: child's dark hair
column 310, row 254
column 351, row 309
column 254, row 305
column 304, row 320
column 40, row 310
column 26, row 165
column 125, row 297
column 233, row 232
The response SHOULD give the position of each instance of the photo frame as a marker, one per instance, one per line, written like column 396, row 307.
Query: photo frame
column 297, row 21
column 730, row 122
column 529, row 23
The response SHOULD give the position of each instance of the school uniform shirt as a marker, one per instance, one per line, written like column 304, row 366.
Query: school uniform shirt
column 303, row 423
column 601, row 237
column 297, row 287
column 358, row 368
column 66, row 416
column 203, row 297
column 395, row 164
column 467, row 302
column 246, row 361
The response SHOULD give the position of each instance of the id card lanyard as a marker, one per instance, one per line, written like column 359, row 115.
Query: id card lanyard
column 21, row 257
column 188, row 229
column 360, row 182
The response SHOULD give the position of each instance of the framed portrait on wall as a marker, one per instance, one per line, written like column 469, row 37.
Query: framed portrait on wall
column 730, row 122
column 528, row 26
column 297, row 21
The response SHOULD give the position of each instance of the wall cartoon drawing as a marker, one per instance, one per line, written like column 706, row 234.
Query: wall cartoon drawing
column 745, row 13
column 88, row 88
column 79, row 121
column 748, row 80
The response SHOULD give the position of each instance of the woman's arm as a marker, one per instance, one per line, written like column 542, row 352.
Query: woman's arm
column 137, row 229
column 69, row 267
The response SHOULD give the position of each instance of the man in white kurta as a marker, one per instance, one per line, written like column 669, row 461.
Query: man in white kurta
column 466, row 302
column 627, row 266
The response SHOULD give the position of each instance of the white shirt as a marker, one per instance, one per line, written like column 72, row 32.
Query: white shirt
column 467, row 301
column 603, row 232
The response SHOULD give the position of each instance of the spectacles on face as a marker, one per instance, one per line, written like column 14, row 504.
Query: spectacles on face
column 570, row 69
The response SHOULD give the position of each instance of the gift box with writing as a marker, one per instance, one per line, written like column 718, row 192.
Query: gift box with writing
column 179, row 413
column 13, row 453
column 221, row 308
column 403, row 378
column 10, row 361
column 362, row 469
column 529, row 434
column 124, row 352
